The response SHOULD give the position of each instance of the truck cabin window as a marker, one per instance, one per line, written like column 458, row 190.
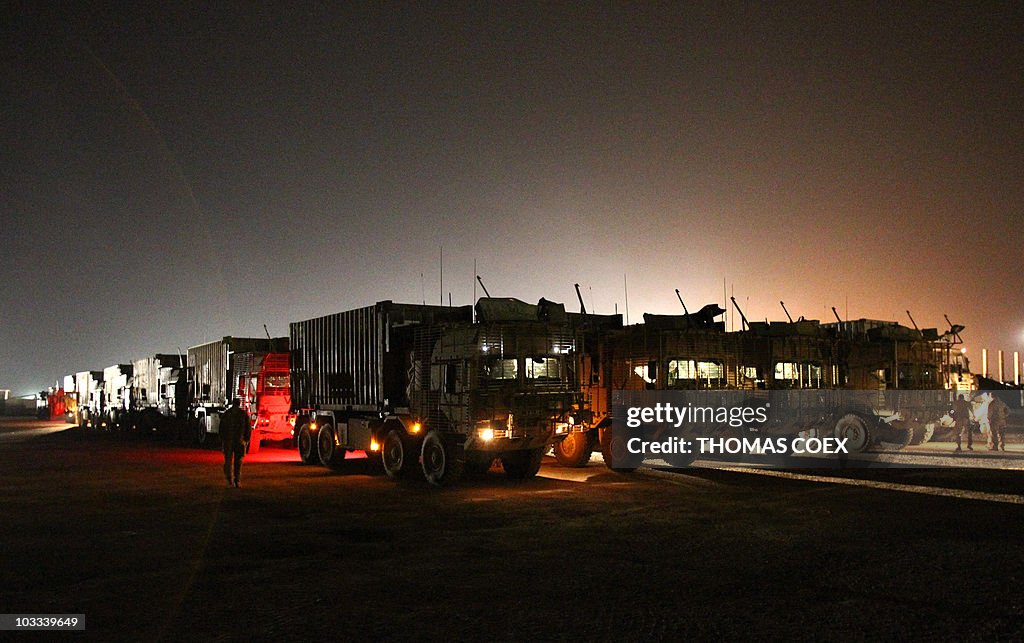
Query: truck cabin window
column 275, row 382
column 798, row 375
column 688, row 373
column 497, row 369
column 544, row 369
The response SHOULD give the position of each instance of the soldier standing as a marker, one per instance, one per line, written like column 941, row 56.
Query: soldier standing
column 998, row 412
column 962, row 420
column 234, row 437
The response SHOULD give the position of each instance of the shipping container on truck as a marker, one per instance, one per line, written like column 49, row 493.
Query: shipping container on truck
column 146, row 390
column 212, row 383
column 114, row 411
column 88, row 392
column 426, row 390
column 262, row 384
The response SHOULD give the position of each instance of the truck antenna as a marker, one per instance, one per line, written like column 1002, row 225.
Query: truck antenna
column 583, row 309
column 783, row 304
column 912, row 321
column 680, row 297
column 486, row 294
column 743, row 317
column 625, row 289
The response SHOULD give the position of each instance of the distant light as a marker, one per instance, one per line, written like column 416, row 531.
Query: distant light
column 374, row 446
column 487, row 435
column 963, row 351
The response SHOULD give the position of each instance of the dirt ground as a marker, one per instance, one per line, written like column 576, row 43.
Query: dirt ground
column 144, row 539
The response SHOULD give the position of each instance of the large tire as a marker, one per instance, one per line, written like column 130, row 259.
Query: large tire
column 326, row 448
column 306, row 444
column 614, row 449
column 396, row 455
column 855, row 429
column 520, row 465
column 574, row 450
column 441, row 464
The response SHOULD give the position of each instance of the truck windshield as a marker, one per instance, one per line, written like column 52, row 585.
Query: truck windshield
column 498, row 368
column 542, row 369
column 276, row 381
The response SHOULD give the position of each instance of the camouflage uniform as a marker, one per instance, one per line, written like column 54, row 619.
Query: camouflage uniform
column 234, row 434
column 962, row 419
column 997, row 413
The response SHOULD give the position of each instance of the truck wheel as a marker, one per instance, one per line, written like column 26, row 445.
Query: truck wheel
column 520, row 465
column 325, row 446
column 574, row 450
column 395, row 455
column 853, row 427
column 440, row 465
column 307, row 445
column 614, row 450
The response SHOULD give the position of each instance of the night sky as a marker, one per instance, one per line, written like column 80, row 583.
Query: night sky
column 170, row 175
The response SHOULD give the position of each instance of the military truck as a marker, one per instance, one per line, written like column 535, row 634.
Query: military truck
column 262, row 385
column 694, row 352
column 213, row 378
column 429, row 390
column 149, row 409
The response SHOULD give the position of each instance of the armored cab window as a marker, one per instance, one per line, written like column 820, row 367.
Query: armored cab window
column 787, row 375
column 646, row 372
column 542, row 369
column 681, row 372
column 711, row 374
column 276, row 381
column 500, row 369
column 813, row 377
column 797, row 375
column 688, row 373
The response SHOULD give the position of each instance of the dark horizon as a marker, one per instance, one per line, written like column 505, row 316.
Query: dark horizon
column 172, row 175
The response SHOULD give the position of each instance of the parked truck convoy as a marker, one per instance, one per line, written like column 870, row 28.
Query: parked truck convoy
column 436, row 390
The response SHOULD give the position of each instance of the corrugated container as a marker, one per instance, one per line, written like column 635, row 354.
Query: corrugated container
column 211, row 367
column 87, row 385
column 355, row 359
column 146, row 382
column 115, row 385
